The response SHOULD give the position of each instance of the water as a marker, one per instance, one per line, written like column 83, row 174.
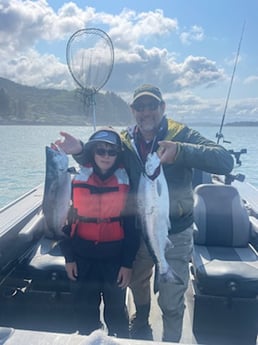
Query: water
column 23, row 154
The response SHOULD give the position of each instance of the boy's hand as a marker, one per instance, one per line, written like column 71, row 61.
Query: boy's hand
column 69, row 144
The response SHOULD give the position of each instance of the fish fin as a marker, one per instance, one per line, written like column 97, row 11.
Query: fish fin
column 168, row 224
column 172, row 277
column 156, row 280
column 168, row 244
column 169, row 277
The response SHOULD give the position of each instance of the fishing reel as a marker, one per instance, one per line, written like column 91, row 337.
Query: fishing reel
column 237, row 155
column 238, row 177
column 230, row 178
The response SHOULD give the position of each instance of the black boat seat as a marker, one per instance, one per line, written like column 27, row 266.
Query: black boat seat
column 224, row 263
column 47, row 267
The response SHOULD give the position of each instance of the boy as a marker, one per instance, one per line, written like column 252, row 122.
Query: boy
column 102, row 243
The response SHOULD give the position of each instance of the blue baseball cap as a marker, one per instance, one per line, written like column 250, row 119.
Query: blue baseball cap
column 107, row 135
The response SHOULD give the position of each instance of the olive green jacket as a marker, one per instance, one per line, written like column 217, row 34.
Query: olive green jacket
column 194, row 151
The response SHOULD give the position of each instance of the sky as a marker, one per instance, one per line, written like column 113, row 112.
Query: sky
column 188, row 48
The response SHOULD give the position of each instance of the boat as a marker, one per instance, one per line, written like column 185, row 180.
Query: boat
column 221, row 300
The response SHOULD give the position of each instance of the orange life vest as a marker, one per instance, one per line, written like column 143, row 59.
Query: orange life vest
column 98, row 205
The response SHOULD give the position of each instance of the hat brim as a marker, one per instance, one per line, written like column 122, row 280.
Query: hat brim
column 90, row 144
column 146, row 93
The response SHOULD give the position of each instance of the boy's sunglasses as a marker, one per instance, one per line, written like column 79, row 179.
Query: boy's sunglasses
column 149, row 106
column 103, row 152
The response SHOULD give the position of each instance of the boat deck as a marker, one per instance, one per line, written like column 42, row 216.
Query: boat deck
column 156, row 319
column 36, row 301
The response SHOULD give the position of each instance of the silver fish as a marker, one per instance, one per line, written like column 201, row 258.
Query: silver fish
column 153, row 206
column 57, row 190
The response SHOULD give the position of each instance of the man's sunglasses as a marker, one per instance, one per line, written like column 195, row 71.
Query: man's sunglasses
column 149, row 106
column 103, row 152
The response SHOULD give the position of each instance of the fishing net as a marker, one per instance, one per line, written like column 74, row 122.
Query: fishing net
column 90, row 60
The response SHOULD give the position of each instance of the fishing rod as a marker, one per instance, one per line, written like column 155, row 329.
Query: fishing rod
column 219, row 135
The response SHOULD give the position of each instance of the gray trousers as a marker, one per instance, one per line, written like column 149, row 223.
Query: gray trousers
column 171, row 296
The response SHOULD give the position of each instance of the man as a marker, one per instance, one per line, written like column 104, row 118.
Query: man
column 180, row 149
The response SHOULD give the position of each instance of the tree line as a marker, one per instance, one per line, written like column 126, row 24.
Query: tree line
column 25, row 104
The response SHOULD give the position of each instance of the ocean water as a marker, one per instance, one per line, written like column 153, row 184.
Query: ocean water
column 23, row 154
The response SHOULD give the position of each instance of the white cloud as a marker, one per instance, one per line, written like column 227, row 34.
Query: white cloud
column 27, row 27
column 34, row 69
column 195, row 33
column 196, row 71
column 23, row 23
column 251, row 79
column 131, row 34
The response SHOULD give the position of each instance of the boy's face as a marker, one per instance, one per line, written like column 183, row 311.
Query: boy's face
column 105, row 156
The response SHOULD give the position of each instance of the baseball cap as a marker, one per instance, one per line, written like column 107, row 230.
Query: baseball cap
column 106, row 135
column 147, row 90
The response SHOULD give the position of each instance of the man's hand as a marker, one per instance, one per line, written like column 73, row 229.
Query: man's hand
column 69, row 144
column 71, row 270
column 167, row 151
column 124, row 277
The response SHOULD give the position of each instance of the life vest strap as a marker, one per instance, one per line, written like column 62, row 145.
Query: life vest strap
column 95, row 189
column 97, row 220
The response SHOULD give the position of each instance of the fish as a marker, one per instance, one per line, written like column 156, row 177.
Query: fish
column 57, row 191
column 153, row 209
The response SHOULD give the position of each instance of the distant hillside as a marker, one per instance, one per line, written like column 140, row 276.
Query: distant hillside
column 20, row 104
column 242, row 124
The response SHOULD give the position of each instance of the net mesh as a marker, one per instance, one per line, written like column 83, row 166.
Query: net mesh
column 90, row 58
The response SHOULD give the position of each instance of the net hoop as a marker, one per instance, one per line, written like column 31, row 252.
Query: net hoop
column 102, row 35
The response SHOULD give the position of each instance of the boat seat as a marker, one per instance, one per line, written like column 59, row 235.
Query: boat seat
column 47, row 267
column 223, row 262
